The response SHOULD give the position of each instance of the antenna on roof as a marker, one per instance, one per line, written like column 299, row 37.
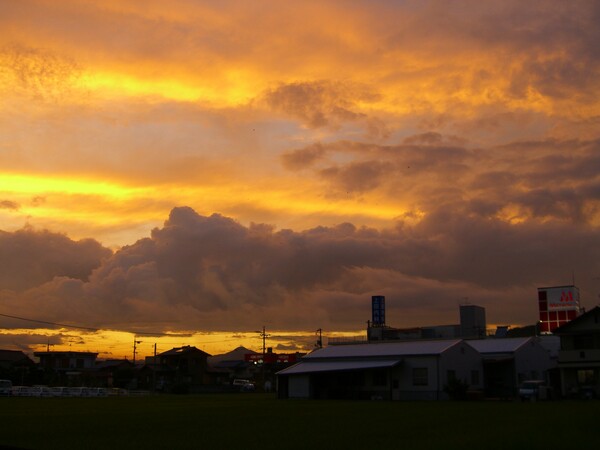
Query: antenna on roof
column 319, row 343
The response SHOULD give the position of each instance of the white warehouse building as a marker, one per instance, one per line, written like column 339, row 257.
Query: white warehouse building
column 409, row 370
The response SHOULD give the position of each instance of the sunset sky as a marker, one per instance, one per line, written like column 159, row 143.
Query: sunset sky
column 205, row 168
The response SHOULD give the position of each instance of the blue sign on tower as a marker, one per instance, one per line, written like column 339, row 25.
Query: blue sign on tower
column 378, row 309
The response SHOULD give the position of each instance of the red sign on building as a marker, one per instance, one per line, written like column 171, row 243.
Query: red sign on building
column 558, row 305
column 271, row 358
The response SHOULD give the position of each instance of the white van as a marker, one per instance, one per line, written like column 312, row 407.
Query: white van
column 243, row 385
column 533, row 390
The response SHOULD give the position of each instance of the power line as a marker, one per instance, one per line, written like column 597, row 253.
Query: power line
column 63, row 325
column 50, row 323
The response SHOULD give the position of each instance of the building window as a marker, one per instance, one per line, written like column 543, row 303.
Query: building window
column 420, row 376
column 475, row 377
column 585, row 377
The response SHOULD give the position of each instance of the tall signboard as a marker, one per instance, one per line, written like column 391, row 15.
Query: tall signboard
column 558, row 305
column 378, row 310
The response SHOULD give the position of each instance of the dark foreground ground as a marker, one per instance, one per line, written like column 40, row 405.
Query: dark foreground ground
column 257, row 421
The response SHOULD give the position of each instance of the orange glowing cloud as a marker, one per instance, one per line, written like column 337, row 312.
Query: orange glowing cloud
column 463, row 137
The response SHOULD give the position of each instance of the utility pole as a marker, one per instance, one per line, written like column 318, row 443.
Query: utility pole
column 319, row 343
column 135, row 349
column 154, row 370
column 264, row 337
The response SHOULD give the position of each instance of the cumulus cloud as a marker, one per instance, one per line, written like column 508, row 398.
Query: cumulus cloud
column 210, row 272
column 488, row 110
column 29, row 258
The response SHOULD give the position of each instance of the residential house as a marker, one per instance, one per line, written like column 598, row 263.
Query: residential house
column 119, row 373
column 579, row 355
column 15, row 366
column 183, row 368
column 69, row 368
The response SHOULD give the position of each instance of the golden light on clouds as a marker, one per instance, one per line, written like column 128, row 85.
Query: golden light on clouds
column 452, row 137
column 232, row 91
column 113, row 344
column 36, row 184
column 107, row 204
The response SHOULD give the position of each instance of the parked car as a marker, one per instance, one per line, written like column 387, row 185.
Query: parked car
column 243, row 385
column 5, row 388
column 587, row 392
column 22, row 391
column 41, row 391
column 97, row 392
column 61, row 391
column 534, row 390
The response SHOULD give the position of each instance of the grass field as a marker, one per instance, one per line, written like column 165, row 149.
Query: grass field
column 256, row 421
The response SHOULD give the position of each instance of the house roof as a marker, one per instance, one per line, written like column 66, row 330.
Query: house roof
column 182, row 351
column 337, row 366
column 500, row 345
column 14, row 356
column 110, row 363
column 384, row 349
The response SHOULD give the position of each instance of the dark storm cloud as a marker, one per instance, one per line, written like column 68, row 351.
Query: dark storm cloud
column 207, row 272
column 29, row 258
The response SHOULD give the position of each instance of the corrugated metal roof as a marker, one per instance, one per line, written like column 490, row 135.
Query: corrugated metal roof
column 404, row 348
column 336, row 366
column 504, row 345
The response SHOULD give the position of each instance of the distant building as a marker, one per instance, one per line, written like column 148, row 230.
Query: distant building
column 472, row 322
column 472, row 326
column 67, row 361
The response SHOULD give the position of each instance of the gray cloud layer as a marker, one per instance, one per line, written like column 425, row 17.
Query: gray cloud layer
column 210, row 272
column 30, row 258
